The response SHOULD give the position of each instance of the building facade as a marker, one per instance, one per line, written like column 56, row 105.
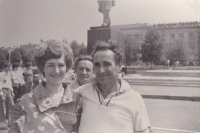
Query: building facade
column 188, row 32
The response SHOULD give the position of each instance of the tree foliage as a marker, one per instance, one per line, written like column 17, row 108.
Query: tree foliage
column 15, row 54
column 2, row 58
column 27, row 55
column 151, row 48
column 78, row 48
column 178, row 50
column 132, row 50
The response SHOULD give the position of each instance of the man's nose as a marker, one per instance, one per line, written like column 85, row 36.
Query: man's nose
column 102, row 70
column 84, row 71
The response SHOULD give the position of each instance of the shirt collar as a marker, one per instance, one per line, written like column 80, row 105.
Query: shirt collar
column 124, row 86
column 45, row 102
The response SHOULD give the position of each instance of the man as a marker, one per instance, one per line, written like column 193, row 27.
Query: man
column 104, row 8
column 109, row 104
column 83, row 69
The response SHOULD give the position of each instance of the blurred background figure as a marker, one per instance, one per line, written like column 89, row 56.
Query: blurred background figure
column 6, row 94
column 28, row 77
column 17, row 80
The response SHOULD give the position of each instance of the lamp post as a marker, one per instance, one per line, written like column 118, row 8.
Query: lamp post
column 168, row 61
column 9, row 52
column 177, row 63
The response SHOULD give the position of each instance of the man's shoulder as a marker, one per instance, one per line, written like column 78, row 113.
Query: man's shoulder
column 134, row 93
column 87, row 86
column 83, row 89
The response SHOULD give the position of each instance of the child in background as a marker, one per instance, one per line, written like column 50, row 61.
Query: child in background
column 7, row 90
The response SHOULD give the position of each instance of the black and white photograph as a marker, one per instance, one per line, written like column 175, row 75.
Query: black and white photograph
column 99, row 66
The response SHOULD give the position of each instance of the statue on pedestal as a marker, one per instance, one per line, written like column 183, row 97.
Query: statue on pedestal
column 104, row 8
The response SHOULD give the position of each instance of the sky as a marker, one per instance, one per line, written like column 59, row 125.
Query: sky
column 27, row 21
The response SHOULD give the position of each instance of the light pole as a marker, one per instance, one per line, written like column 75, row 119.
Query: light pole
column 9, row 52
column 168, row 61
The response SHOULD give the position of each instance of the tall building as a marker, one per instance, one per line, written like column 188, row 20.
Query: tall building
column 189, row 32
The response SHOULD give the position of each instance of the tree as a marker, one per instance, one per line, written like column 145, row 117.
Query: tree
column 26, row 55
column 75, row 48
column 2, row 58
column 83, row 49
column 15, row 54
column 132, row 50
column 178, row 50
column 151, row 48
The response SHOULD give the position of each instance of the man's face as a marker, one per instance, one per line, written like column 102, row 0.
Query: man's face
column 84, row 71
column 105, row 67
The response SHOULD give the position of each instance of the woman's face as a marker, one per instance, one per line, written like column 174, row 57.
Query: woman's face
column 55, row 70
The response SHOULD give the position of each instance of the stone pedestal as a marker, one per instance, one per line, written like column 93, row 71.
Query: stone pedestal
column 105, row 34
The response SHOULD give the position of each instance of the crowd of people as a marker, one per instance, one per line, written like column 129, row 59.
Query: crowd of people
column 98, row 100
column 15, row 81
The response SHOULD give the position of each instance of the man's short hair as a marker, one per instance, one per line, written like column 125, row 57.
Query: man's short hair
column 28, row 64
column 6, row 64
column 18, row 59
column 80, row 58
column 16, row 65
column 110, row 45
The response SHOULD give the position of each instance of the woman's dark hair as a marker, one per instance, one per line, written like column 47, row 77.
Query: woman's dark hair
column 54, row 49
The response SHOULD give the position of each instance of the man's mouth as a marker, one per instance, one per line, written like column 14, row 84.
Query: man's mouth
column 55, row 76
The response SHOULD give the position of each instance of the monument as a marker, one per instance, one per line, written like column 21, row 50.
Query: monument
column 105, row 32
column 104, row 8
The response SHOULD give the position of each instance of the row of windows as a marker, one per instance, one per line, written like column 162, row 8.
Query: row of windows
column 180, row 35
column 172, row 36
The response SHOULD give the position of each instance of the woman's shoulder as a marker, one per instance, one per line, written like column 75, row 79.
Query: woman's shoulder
column 27, row 99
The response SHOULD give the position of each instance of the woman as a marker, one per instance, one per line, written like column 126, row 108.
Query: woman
column 49, row 108
column 28, row 77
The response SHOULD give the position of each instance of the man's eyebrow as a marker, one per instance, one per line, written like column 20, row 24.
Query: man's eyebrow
column 106, row 62
column 96, row 63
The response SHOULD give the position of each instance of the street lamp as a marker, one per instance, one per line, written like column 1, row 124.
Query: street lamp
column 9, row 52
column 168, row 61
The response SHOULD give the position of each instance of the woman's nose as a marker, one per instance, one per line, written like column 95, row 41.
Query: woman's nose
column 57, row 68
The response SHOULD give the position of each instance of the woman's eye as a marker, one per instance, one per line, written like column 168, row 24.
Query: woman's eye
column 50, row 65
